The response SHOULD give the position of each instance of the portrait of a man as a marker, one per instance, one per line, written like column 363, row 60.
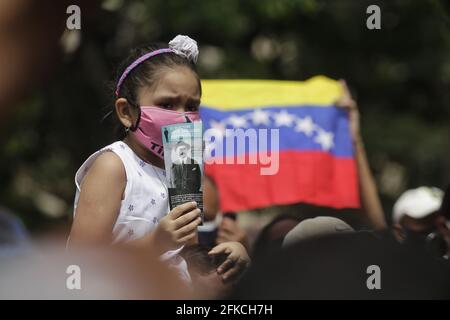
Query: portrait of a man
column 185, row 172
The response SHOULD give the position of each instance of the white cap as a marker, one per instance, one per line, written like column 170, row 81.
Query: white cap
column 314, row 228
column 417, row 203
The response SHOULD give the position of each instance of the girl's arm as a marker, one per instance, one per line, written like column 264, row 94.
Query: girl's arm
column 99, row 205
column 99, row 202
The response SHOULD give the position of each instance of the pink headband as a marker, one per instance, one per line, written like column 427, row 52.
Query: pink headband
column 138, row 62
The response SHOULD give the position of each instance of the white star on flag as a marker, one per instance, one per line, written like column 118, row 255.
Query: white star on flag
column 237, row 121
column 325, row 139
column 260, row 117
column 283, row 118
column 305, row 125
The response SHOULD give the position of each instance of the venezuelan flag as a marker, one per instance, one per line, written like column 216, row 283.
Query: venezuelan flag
column 315, row 155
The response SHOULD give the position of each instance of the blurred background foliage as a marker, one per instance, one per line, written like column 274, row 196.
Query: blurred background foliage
column 399, row 74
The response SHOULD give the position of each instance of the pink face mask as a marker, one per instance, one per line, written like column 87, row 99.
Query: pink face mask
column 152, row 120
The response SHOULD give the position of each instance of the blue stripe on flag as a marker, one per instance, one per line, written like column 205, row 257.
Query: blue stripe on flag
column 302, row 128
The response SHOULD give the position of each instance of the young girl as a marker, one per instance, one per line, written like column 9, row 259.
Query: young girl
column 122, row 193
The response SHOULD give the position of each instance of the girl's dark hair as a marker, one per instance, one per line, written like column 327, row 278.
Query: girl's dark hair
column 145, row 74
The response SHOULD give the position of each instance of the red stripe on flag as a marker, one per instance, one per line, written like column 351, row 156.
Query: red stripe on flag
column 311, row 177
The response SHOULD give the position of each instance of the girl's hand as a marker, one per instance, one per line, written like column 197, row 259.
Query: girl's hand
column 236, row 263
column 346, row 101
column 177, row 227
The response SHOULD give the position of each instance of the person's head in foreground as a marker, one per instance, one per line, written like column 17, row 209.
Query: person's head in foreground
column 315, row 228
column 418, row 220
column 271, row 236
column 97, row 272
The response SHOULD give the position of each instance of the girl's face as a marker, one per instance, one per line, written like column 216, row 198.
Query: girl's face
column 176, row 89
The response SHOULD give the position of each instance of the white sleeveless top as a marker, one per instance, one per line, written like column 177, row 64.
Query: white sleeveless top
column 145, row 200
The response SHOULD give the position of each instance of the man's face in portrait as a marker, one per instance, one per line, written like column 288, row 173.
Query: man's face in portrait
column 182, row 152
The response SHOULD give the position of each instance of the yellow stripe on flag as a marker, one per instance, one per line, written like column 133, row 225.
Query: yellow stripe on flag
column 244, row 94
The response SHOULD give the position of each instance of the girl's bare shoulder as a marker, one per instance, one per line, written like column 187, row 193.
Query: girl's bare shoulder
column 107, row 167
